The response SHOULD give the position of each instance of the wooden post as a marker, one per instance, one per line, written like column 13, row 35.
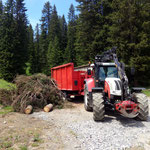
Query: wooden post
column 48, row 107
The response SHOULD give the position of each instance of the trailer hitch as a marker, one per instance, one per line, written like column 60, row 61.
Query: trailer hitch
column 127, row 108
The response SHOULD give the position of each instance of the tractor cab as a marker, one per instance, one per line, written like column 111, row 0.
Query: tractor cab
column 106, row 76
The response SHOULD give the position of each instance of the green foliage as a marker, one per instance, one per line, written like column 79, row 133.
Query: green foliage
column 54, row 53
column 6, row 110
column 28, row 69
column 6, row 85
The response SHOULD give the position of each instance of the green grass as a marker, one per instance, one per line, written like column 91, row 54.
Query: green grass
column 6, row 110
column 6, row 85
column 147, row 92
column 23, row 147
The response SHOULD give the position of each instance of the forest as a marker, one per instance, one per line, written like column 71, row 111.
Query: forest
column 99, row 25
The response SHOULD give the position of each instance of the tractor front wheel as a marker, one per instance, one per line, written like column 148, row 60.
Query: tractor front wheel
column 142, row 99
column 98, row 107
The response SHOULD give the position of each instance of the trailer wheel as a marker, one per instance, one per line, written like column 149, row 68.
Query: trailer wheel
column 86, row 100
column 142, row 99
column 98, row 107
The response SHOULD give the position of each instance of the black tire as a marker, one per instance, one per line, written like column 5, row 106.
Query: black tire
column 142, row 99
column 86, row 100
column 98, row 107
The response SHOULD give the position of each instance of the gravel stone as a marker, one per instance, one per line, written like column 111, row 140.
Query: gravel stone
column 115, row 133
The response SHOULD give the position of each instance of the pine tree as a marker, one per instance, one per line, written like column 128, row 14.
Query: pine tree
column 130, row 32
column 37, row 49
column 70, row 55
column 63, row 26
column 103, row 11
column 85, row 30
column 1, row 18
column 45, row 26
column 55, row 54
column 54, row 26
column 20, row 53
column 7, row 41
column 1, row 7
column 31, row 50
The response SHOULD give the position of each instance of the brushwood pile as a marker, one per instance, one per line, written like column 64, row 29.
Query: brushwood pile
column 36, row 90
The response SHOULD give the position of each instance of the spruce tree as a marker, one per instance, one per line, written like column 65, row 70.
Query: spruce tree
column 85, row 30
column 20, row 53
column 37, row 49
column 63, row 26
column 1, row 18
column 44, row 39
column 130, row 32
column 7, row 41
column 70, row 54
column 55, row 53
column 54, row 26
column 31, row 50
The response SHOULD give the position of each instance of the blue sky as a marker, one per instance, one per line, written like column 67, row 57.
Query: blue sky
column 35, row 8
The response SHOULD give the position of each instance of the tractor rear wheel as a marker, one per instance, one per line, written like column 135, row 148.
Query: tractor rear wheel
column 86, row 100
column 98, row 107
column 142, row 99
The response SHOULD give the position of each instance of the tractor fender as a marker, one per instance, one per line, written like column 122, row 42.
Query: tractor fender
column 89, row 83
column 107, row 88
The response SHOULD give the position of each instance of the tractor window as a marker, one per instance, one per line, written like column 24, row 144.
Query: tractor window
column 107, row 72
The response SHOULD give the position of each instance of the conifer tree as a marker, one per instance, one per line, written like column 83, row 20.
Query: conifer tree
column 44, row 40
column 130, row 32
column 55, row 54
column 85, row 30
column 70, row 55
column 63, row 26
column 7, row 41
column 1, row 16
column 37, row 49
column 54, row 26
column 31, row 50
column 20, row 53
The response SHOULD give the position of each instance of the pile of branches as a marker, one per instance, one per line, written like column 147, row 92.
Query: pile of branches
column 36, row 90
column 6, row 96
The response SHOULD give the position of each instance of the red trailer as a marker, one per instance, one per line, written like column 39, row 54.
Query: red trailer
column 69, row 79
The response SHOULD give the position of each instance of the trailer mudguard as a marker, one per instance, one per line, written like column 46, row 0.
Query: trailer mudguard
column 90, row 84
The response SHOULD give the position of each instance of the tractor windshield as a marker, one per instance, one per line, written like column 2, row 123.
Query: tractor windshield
column 107, row 72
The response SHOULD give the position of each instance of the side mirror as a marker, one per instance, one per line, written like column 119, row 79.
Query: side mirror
column 132, row 71
column 89, row 71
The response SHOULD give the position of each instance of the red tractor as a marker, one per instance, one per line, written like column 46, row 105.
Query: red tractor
column 108, row 89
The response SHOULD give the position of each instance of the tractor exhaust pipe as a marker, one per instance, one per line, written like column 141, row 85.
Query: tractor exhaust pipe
column 127, row 108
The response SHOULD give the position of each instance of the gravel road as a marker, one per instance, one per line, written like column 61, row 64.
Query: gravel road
column 76, row 130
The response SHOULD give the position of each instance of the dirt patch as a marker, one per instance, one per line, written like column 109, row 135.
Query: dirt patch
column 20, row 131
